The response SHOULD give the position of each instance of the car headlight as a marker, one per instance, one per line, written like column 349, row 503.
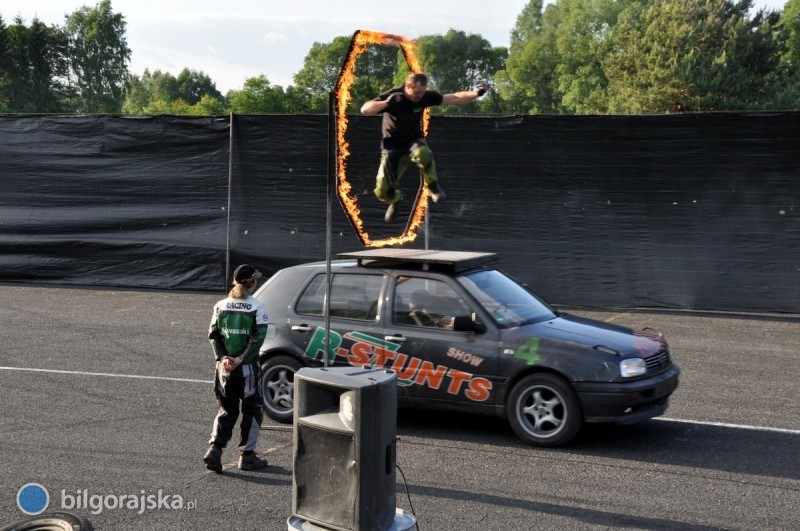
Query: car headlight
column 632, row 367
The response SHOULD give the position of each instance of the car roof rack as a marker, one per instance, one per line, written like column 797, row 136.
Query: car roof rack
column 453, row 261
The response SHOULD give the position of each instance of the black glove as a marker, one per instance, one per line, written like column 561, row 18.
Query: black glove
column 394, row 98
column 483, row 88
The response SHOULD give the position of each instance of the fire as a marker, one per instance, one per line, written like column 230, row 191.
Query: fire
column 362, row 39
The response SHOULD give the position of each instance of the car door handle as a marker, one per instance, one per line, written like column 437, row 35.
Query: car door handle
column 301, row 328
column 395, row 339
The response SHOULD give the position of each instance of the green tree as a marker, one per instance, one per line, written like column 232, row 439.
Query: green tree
column 137, row 94
column 529, row 81
column 258, row 96
column 209, row 106
column 33, row 68
column 555, row 60
column 161, row 86
column 160, row 92
column 296, row 100
column 690, row 55
column 99, row 57
column 528, row 25
column 525, row 83
column 16, row 79
column 4, row 62
column 321, row 67
column 4, row 57
column 787, row 77
column 458, row 61
column 791, row 24
column 581, row 80
column 144, row 91
column 159, row 107
column 375, row 69
column 632, row 56
column 193, row 85
column 48, row 68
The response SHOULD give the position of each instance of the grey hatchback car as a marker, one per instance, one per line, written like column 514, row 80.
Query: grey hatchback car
column 460, row 335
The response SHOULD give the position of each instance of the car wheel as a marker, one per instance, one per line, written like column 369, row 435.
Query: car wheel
column 277, row 387
column 52, row 522
column 543, row 410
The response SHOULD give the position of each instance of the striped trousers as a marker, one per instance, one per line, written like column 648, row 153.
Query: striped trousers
column 239, row 386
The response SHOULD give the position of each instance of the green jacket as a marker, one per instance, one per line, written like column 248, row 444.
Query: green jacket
column 238, row 328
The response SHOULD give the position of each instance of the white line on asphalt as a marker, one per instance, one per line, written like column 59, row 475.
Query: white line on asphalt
column 108, row 374
column 141, row 377
column 726, row 425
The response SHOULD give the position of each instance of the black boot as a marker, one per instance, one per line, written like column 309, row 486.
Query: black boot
column 437, row 194
column 391, row 212
column 251, row 461
column 213, row 459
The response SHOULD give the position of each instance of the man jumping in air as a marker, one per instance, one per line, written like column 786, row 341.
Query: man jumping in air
column 402, row 136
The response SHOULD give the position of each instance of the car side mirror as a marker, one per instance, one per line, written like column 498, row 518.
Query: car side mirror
column 466, row 323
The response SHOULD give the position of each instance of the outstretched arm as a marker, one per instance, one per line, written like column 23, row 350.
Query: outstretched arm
column 466, row 96
column 373, row 107
column 377, row 105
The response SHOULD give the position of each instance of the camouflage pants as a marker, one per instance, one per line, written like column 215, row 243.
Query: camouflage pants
column 394, row 164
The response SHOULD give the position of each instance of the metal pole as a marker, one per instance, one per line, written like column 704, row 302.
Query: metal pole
column 427, row 227
column 331, row 180
column 427, row 217
column 230, row 192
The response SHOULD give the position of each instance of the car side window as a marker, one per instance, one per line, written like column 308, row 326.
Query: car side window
column 352, row 296
column 426, row 302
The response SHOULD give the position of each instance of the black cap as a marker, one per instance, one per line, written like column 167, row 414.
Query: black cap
column 245, row 274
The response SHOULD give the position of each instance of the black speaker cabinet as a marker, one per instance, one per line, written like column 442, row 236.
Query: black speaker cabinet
column 345, row 425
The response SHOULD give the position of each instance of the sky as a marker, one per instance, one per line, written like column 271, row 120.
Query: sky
column 233, row 40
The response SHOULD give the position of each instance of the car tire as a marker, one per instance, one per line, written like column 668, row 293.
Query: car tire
column 51, row 521
column 277, row 387
column 543, row 410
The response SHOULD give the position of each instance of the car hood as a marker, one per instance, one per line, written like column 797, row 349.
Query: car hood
column 590, row 333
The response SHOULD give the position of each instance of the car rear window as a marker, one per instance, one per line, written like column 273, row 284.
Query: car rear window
column 353, row 296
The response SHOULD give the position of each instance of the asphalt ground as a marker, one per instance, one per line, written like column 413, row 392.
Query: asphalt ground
column 75, row 421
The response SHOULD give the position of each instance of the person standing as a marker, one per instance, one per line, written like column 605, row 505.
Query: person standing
column 403, row 141
column 237, row 330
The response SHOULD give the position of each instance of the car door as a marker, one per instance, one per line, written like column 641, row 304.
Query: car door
column 432, row 360
column 354, row 305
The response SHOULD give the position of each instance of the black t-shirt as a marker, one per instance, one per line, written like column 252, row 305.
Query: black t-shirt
column 402, row 123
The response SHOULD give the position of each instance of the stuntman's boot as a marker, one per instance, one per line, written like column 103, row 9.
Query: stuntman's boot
column 437, row 194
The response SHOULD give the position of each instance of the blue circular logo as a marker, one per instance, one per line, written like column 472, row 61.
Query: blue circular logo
column 33, row 499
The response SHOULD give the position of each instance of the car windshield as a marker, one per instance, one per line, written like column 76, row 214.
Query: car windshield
column 509, row 303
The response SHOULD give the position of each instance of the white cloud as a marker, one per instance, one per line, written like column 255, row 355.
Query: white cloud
column 271, row 37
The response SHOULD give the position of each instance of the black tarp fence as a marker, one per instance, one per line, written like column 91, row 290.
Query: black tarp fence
column 698, row 211
column 107, row 201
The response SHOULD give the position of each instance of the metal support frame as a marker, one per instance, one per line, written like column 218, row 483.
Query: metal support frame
column 331, row 194
column 230, row 187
